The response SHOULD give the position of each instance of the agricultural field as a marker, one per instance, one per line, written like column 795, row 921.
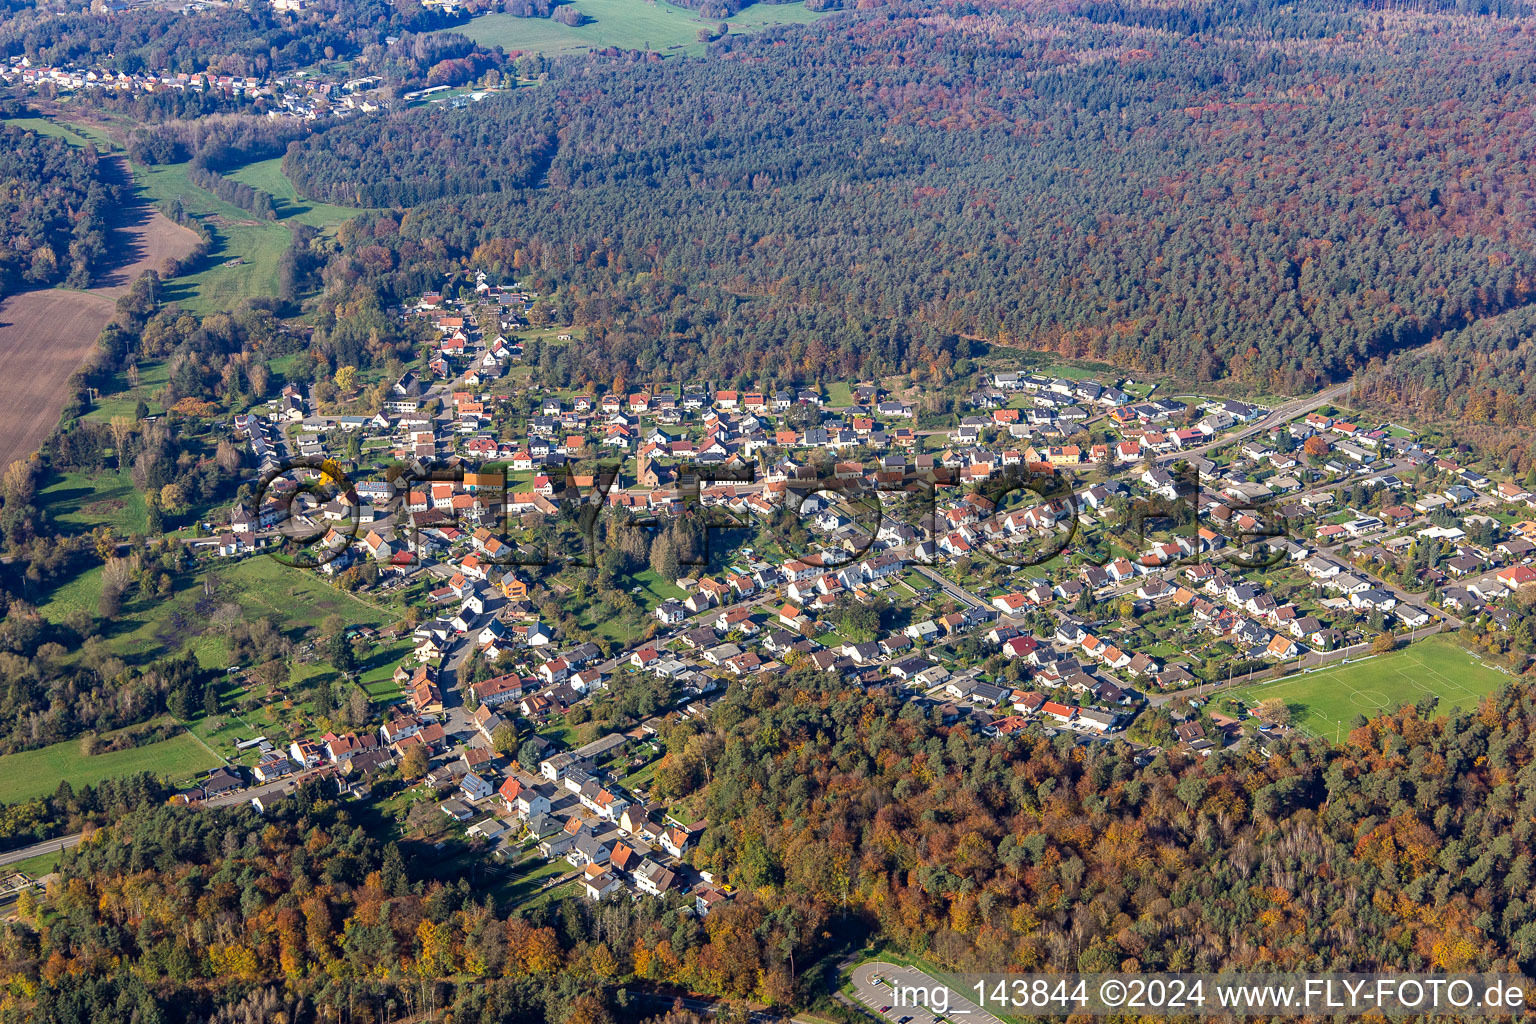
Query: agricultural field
column 45, row 335
column 143, row 236
column 1325, row 702
column 34, row 773
column 630, row 24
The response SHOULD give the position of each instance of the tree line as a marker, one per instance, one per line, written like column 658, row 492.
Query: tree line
column 237, row 193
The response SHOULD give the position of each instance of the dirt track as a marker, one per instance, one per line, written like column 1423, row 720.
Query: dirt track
column 46, row 335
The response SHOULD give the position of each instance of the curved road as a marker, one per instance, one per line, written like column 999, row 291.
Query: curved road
column 239, row 796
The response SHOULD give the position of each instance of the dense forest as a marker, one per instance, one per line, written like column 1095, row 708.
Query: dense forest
column 1478, row 378
column 840, row 816
column 1270, row 195
column 54, row 207
column 465, row 155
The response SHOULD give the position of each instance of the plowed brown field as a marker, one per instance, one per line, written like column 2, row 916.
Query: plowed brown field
column 46, row 335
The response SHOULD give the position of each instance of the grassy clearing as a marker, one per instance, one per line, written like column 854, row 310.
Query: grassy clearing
column 211, row 286
column 43, row 126
column 531, row 874
column 630, row 24
column 34, row 773
column 297, row 600
column 1324, row 703
column 80, row 501
column 268, row 176
column 121, row 398
column 244, row 262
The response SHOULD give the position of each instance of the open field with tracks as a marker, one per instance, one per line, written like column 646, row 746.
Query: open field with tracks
column 44, row 336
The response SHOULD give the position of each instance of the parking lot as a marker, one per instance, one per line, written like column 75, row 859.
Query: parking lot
column 876, row 986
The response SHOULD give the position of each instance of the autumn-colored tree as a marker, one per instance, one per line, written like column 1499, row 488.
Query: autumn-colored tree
column 173, row 499
column 122, row 429
column 1273, row 711
column 415, row 762
column 195, row 408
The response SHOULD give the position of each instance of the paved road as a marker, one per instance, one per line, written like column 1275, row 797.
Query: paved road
column 950, row 588
column 38, row 849
column 898, row 986
column 225, row 800
column 1279, row 414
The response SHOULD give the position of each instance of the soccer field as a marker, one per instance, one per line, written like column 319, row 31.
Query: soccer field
column 1326, row 701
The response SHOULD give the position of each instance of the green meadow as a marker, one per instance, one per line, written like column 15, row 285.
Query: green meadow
column 628, row 24
column 34, row 773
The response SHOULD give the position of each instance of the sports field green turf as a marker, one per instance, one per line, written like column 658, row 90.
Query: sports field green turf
column 1325, row 702
column 34, row 773
column 631, row 24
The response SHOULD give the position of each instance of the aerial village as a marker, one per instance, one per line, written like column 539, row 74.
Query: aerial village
column 1159, row 552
